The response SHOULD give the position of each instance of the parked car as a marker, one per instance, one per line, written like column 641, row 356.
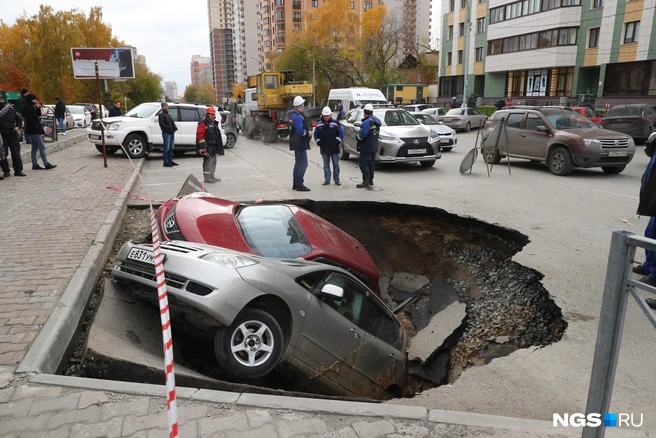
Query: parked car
column 279, row 230
column 69, row 121
column 315, row 319
column 464, row 118
column 637, row 120
column 438, row 113
column 81, row 115
column 563, row 139
column 229, row 128
column 402, row 138
column 139, row 132
column 589, row 113
column 448, row 137
column 92, row 108
column 415, row 108
column 105, row 111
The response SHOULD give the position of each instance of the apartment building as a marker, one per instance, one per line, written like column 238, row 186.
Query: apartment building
column 543, row 50
column 171, row 89
column 221, row 46
column 197, row 65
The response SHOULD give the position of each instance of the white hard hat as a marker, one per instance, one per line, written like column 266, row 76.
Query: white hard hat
column 326, row 111
column 299, row 101
column 368, row 107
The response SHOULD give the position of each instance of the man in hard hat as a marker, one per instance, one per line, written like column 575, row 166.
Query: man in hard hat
column 209, row 144
column 299, row 142
column 368, row 146
column 329, row 134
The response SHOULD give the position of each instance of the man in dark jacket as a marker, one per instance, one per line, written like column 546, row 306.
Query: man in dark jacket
column 328, row 135
column 209, row 144
column 10, row 127
column 60, row 113
column 368, row 146
column 34, row 131
column 340, row 112
column 299, row 142
column 647, row 207
column 20, row 104
column 168, row 127
column 115, row 111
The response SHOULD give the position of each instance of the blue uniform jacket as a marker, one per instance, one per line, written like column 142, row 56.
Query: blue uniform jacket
column 368, row 135
column 328, row 135
column 299, row 134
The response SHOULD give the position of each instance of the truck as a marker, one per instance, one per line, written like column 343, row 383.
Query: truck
column 267, row 103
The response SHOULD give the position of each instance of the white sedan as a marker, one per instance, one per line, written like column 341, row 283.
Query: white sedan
column 81, row 115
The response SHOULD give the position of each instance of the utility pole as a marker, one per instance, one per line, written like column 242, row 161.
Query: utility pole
column 465, row 55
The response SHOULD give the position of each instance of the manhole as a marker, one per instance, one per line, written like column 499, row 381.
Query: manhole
column 462, row 299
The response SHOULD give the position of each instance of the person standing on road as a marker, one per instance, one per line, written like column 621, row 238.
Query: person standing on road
column 340, row 112
column 34, row 131
column 60, row 113
column 368, row 146
column 209, row 144
column 10, row 128
column 20, row 105
column 115, row 111
column 168, row 127
column 299, row 142
column 647, row 207
column 328, row 135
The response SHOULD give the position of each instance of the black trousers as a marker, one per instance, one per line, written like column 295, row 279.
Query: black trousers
column 12, row 145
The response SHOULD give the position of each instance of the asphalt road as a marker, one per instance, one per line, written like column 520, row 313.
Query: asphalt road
column 569, row 221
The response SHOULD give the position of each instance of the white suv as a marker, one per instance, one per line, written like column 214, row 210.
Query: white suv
column 139, row 132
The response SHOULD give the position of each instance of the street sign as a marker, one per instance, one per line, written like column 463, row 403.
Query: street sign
column 87, row 70
column 117, row 58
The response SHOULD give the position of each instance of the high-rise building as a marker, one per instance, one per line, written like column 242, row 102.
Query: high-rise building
column 171, row 90
column 221, row 46
column 246, row 38
column 198, row 64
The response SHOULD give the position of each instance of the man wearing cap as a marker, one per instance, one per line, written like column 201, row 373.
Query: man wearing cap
column 168, row 127
column 10, row 127
column 60, row 113
column 34, row 130
column 328, row 135
column 299, row 142
column 209, row 144
column 367, row 146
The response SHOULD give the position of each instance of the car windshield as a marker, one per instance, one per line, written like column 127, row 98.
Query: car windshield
column 272, row 231
column 395, row 118
column 362, row 103
column 427, row 119
column 142, row 111
column 456, row 112
column 76, row 109
column 570, row 120
column 626, row 110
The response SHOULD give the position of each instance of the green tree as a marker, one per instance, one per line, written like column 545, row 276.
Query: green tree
column 191, row 93
column 145, row 87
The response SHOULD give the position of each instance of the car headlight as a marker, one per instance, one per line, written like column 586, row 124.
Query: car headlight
column 113, row 126
column 226, row 260
column 434, row 134
column 592, row 142
column 388, row 138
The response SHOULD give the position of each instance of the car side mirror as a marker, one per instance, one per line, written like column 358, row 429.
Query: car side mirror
column 358, row 124
column 332, row 291
column 542, row 128
column 421, row 122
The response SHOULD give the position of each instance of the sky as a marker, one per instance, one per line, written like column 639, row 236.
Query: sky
column 167, row 32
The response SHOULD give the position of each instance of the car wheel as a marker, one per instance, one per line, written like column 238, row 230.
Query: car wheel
column 491, row 155
column 430, row 163
column 135, row 145
column 446, row 149
column 560, row 162
column 110, row 151
column 468, row 127
column 231, row 140
column 613, row 170
column 343, row 155
column 251, row 347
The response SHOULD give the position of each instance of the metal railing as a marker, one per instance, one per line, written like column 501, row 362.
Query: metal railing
column 617, row 288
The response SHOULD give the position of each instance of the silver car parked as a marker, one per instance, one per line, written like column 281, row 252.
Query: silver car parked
column 448, row 137
column 402, row 138
column 464, row 118
column 317, row 320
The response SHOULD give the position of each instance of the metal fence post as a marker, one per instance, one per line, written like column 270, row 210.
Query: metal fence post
column 609, row 334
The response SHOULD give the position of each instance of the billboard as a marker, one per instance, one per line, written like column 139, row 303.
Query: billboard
column 112, row 63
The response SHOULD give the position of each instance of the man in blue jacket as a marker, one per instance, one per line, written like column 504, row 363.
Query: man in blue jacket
column 299, row 142
column 647, row 207
column 368, row 146
column 328, row 135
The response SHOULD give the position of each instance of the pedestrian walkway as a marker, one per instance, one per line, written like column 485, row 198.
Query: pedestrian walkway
column 58, row 227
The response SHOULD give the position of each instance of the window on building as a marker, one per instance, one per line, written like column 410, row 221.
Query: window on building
column 280, row 14
column 296, row 4
column 461, row 29
column 280, row 26
column 315, row 3
column 280, row 39
column 266, row 32
column 267, row 44
column 463, row 4
column 352, row 5
column 265, row 20
column 296, row 17
column 631, row 32
column 460, row 56
column 567, row 36
column 265, row 9
column 280, row 2
column 368, row 5
column 482, row 1
column 452, row 5
column 479, row 54
column 450, row 32
column 297, row 27
column 596, row 3
column 449, row 58
column 480, row 25
column 593, row 38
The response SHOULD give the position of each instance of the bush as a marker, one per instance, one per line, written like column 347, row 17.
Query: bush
column 487, row 110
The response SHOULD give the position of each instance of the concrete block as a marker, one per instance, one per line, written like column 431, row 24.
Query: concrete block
column 38, row 423
column 232, row 421
column 84, row 416
column 407, row 282
column 23, row 392
column 132, row 424
column 68, row 403
column 88, row 398
column 258, row 417
column 366, row 429
column 109, row 429
column 136, row 407
column 6, row 394
column 60, row 432
column 15, row 408
column 215, row 396
column 189, row 413
column 5, row 378
column 310, row 427
column 442, row 325
column 490, row 421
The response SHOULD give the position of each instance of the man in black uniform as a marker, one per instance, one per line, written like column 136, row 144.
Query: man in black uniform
column 209, row 144
column 10, row 127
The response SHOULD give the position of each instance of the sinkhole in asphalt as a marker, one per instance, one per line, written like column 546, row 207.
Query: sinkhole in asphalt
column 451, row 279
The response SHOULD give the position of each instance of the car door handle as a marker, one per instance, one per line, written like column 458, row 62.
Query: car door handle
column 355, row 332
column 523, row 135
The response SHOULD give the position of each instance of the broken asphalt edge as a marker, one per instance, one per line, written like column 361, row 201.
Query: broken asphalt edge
column 49, row 348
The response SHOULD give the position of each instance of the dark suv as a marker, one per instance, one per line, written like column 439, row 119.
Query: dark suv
column 92, row 108
column 562, row 138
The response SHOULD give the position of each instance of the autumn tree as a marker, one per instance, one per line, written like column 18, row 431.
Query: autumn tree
column 237, row 90
column 200, row 94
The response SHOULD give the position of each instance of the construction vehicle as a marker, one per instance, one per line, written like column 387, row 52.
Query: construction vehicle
column 267, row 103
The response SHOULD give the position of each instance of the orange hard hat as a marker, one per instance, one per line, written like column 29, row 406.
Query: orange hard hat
column 210, row 110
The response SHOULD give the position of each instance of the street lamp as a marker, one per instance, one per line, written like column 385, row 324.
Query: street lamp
column 314, row 99
column 465, row 57
column 259, row 62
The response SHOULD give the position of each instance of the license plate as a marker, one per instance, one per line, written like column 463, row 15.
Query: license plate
column 445, row 141
column 447, row 120
column 617, row 154
column 620, row 125
column 94, row 137
column 416, row 151
column 142, row 255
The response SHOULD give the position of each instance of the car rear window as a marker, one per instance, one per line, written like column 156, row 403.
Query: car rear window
column 625, row 110
column 456, row 112
column 272, row 231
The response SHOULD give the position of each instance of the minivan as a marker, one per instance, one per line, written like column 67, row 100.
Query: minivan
column 354, row 97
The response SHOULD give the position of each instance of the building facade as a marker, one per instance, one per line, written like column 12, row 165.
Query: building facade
column 549, row 51
column 246, row 38
column 171, row 90
column 221, row 47
column 196, row 67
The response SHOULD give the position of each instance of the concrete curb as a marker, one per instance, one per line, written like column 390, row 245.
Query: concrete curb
column 50, row 346
column 61, row 143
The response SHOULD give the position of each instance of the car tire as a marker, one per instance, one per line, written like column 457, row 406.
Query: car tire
column 110, row 151
column 135, row 145
column 343, row 155
column 613, row 170
column 467, row 127
column 446, row 149
column 491, row 155
column 231, row 140
column 430, row 163
column 560, row 161
column 256, row 328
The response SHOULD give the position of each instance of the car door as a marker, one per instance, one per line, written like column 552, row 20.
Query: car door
column 533, row 144
column 475, row 117
column 187, row 124
column 330, row 337
column 515, row 139
column 350, row 130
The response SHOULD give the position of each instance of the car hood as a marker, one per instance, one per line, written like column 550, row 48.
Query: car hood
column 592, row 133
column 405, row 131
column 441, row 129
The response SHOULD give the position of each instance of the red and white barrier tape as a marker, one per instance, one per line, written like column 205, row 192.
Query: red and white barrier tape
column 166, row 329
